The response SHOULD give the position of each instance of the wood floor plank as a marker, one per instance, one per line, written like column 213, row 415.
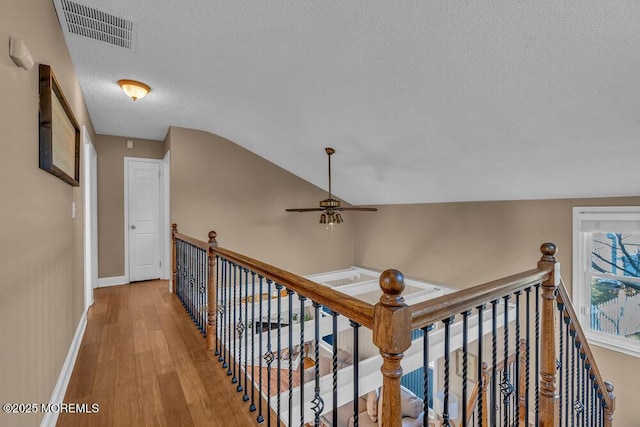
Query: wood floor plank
column 175, row 406
column 143, row 361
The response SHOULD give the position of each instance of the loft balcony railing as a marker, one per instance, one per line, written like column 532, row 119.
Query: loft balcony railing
column 505, row 353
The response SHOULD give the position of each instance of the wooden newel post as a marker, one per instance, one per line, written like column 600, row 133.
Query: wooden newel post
column 174, row 231
column 392, row 335
column 212, row 301
column 608, row 411
column 548, row 396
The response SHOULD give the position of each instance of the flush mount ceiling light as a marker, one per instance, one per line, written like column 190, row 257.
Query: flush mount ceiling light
column 331, row 207
column 134, row 89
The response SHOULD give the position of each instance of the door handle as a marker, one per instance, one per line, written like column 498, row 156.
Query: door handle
column 133, row 227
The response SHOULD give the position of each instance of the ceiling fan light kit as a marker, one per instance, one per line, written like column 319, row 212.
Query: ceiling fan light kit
column 331, row 207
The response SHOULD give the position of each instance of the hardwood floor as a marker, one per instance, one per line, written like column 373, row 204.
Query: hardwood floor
column 144, row 363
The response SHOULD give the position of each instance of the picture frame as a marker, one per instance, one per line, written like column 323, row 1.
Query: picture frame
column 59, row 131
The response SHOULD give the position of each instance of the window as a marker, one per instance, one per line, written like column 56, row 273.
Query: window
column 606, row 275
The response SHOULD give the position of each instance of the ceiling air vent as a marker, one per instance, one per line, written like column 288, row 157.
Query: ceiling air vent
column 98, row 25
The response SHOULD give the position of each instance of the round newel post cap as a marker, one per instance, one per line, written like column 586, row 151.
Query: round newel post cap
column 174, row 227
column 392, row 285
column 549, row 251
column 212, row 238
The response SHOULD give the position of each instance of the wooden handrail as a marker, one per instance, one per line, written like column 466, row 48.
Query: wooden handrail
column 428, row 312
column 195, row 242
column 338, row 302
column 605, row 387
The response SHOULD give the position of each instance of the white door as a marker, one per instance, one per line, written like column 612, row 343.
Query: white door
column 143, row 181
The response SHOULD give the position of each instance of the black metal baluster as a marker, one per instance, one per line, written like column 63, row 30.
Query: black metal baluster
column 447, row 362
column 592, row 406
column 494, row 362
column 269, row 356
column 233, row 324
column 506, row 388
column 302, row 299
column 334, row 347
column 228, row 290
column 291, row 351
column 561, row 343
column 516, row 368
column 227, row 306
column 581, row 391
column 254, row 332
column 218, row 299
column 279, row 351
column 568, row 406
column 221, row 308
column 480, row 359
column 537, row 350
column 573, row 376
column 527, row 361
column 465, row 362
column 239, row 328
column 356, row 372
column 260, row 418
column 245, row 329
column 317, row 402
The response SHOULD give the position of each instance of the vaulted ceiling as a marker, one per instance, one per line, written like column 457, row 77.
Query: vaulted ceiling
column 424, row 101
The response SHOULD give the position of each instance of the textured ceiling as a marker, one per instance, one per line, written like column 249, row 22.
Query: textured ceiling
column 424, row 101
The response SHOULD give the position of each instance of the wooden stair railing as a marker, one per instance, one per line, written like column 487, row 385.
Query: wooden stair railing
column 570, row 318
column 392, row 322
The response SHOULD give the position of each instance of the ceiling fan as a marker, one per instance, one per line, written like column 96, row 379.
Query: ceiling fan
column 331, row 207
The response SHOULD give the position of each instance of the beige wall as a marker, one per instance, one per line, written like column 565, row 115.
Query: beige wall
column 41, row 263
column 463, row 244
column 216, row 184
column 111, row 153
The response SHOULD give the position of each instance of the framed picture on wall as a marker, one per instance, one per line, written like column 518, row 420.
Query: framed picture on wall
column 59, row 131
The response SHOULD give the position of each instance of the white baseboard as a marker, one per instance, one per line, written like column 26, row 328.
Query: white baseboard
column 111, row 281
column 50, row 418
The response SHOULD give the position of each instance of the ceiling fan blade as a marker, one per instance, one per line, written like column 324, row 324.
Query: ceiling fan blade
column 359, row 209
column 305, row 210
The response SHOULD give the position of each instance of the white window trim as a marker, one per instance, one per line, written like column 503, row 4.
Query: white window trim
column 581, row 292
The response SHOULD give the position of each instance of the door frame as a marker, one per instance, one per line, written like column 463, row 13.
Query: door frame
column 165, row 230
column 161, row 214
column 90, row 212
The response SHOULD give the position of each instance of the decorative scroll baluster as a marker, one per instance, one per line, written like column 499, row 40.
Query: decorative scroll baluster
column 246, row 330
column 269, row 356
column 481, row 379
column 291, row 351
column 260, row 418
column 254, row 332
column 561, row 344
column 494, row 362
column 567, row 366
column 447, row 356
column 302, row 299
column 527, row 373
column 232, row 324
column 537, row 350
column 216, row 308
column 518, row 401
column 334, row 374
column 506, row 388
column 227, row 321
column 317, row 402
column 573, row 376
column 279, row 350
column 239, row 327
column 356, row 371
column 465, row 361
